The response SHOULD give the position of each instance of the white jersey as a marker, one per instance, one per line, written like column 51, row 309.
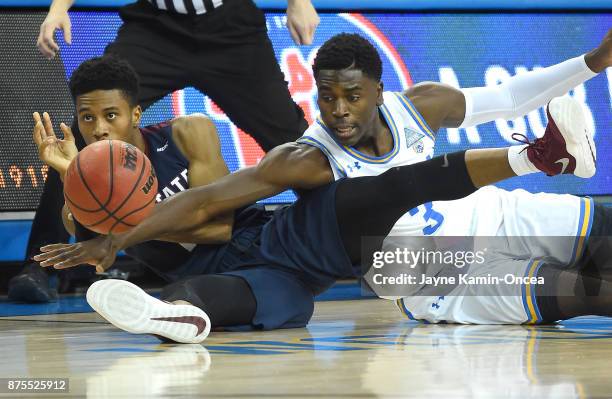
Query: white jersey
column 489, row 211
column 413, row 142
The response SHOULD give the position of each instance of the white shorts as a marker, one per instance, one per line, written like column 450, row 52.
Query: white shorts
column 502, row 291
column 530, row 219
column 492, row 211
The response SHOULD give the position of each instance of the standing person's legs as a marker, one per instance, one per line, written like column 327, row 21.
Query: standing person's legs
column 246, row 81
column 156, row 55
column 32, row 284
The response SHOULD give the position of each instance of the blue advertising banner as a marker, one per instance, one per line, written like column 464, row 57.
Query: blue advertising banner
column 375, row 4
column 463, row 50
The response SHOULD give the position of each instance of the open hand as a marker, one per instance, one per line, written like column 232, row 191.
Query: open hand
column 302, row 21
column 46, row 38
column 52, row 150
column 99, row 252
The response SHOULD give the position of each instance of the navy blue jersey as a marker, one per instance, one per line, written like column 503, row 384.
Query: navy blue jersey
column 169, row 163
column 171, row 168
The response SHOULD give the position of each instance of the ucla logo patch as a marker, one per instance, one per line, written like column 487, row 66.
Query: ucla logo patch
column 413, row 139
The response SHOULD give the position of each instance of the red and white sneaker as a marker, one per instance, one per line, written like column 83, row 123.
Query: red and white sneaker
column 567, row 146
column 129, row 308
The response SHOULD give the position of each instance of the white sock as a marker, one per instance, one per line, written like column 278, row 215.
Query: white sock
column 520, row 164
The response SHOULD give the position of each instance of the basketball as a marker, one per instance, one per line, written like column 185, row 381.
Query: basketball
column 110, row 186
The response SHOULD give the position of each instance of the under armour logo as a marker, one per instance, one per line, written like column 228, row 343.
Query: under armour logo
column 435, row 304
column 564, row 162
column 355, row 165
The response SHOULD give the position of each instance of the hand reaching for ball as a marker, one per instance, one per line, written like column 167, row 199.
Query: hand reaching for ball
column 53, row 151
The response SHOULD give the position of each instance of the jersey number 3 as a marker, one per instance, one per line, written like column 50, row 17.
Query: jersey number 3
column 432, row 218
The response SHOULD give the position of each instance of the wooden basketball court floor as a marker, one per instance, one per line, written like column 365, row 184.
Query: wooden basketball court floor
column 351, row 349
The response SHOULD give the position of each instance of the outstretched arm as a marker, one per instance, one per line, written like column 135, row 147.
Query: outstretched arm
column 292, row 165
column 194, row 206
column 444, row 106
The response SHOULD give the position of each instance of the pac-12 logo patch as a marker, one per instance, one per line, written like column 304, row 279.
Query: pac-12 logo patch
column 414, row 139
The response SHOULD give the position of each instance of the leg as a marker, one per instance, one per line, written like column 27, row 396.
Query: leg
column 253, row 298
column 247, row 83
column 32, row 284
column 158, row 256
column 370, row 206
column 590, row 284
column 571, row 293
column 597, row 258
column 155, row 56
column 228, row 300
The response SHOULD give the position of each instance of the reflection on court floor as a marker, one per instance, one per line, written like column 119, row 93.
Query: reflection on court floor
column 351, row 349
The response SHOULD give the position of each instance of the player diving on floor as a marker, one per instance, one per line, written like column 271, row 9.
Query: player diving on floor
column 300, row 250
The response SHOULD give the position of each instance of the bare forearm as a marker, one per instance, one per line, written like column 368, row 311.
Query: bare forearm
column 217, row 231
column 180, row 214
column 488, row 166
column 67, row 220
column 191, row 209
column 60, row 6
column 597, row 60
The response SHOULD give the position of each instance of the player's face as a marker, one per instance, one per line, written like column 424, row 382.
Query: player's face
column 106, row 114
column 348, row 101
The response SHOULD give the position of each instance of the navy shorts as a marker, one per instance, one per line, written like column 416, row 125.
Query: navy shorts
column 286, row 257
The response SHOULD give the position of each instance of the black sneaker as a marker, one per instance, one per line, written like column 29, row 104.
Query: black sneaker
column 31, row 286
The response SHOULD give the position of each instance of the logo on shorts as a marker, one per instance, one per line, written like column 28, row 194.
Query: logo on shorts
column 163, row 148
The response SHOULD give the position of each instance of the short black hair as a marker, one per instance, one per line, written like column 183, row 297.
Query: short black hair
column 346, row 49
column 108, row 72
